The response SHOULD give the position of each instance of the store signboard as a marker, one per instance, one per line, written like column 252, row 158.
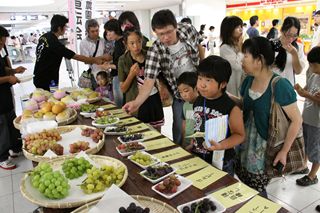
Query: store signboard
column 267, row 2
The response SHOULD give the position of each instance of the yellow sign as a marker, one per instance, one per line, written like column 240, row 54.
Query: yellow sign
column 197, row 135
column 123, row 115
column 206, row 177
column 259, row 204
column 116, row 111
column 189, row 165
column 138, row 127
column 158, row 144
column 108, row 106
column 234, row 194
column 128, row 121
column 171, row 154
column 151, row 134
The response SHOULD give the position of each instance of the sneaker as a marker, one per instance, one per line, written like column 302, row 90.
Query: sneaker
column 306, row 181
column 7, row 164
column 301, row 172
column 14, row 154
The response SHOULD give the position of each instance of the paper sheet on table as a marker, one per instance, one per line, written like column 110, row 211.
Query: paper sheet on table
column 117, row 111
column 189, row 165
column 108, row 106
column 150, row 134
column 86, row 157
column 259, row 204
column 112, row 200
column 37, row 126
column 234, row 194
column 171, row 154
column 216, row 129
column 138, row 127
column 50, row 154
column 206, row 177
column 158, row 144
column 197, row 135
column 123, row 115
column 128, row 121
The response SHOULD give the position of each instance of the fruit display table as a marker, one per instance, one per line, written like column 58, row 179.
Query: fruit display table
column 137, row 185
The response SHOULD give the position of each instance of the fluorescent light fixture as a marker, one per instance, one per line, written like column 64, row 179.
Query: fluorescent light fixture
column 25, row 3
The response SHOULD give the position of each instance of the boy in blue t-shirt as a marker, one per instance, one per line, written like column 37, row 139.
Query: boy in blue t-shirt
column 311, row 117
column 213, row 75
column 187, row 83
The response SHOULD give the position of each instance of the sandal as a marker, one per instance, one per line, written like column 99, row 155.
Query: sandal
column 301, row 172
column 306, row 181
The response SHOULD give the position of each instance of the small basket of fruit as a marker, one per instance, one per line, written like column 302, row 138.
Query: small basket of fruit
column 172, row 186
column 157, row 172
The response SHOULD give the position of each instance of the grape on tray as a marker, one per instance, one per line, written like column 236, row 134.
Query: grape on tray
column 75, row 167
column 169, row 185
column 94, row 134
column 133, row 208
column 157, row 171
column 205, row 205
column 132, row 137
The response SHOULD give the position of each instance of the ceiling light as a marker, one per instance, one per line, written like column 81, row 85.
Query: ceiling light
column 24, row 3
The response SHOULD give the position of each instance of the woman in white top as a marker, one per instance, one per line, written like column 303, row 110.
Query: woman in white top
column 290, row 58
column 230, row 49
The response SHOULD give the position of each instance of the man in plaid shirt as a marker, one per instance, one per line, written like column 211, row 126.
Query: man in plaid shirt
column 176, row 50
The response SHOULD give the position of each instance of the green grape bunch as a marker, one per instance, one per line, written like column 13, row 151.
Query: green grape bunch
column 75, row 167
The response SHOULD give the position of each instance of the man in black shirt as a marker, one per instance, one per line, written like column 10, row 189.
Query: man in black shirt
column 8, row 134
column 50, row 53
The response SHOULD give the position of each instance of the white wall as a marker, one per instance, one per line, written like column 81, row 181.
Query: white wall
column 206, row 12
column 174, row 8
column 145, row 21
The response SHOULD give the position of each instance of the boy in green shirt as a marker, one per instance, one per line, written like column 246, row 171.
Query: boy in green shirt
column 187, row 82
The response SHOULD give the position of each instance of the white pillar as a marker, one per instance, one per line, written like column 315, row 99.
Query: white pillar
column 206, row 12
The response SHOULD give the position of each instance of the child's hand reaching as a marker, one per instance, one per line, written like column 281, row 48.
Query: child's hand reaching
column 134, row 70
column 214, row 146
column 300, row 90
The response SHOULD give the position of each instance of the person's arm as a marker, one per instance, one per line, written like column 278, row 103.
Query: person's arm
column 134, row 70
column 88, row 60
column 237, row 136
column 144, row 93
column 201, row 52
column 294, row 116
column 297, row 58
column 236, row 99
column 304, row 93
column 9, row 79
column 11, row 71
column 228, row 53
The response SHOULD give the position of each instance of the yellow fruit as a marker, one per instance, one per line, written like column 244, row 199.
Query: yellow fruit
column 93, row 95
column 62, row 104
column 38, row 114
column 46, row 108
column 57, row 108
column 27, row 113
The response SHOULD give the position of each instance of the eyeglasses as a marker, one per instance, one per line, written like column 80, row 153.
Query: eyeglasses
column 168, row 32
column 288, row 35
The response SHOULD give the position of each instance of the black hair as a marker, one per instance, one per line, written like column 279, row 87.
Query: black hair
column 58, row 21
column 244, row 24
column 91, row 23
column 130, row 30
column 202, row 27
column 3, row 32
column 163, row 18
column 253, row 20
column 259, row 48
column 104, row 75
column 186, row 20
column 211, row 28
column 12, row 37
column 113, row 25
column 131, row 17
column 275, row 22
column 314, row 55
column 215, row 67
column 228, row 25
column 317, row 12
column 188, row 78
column 281, row 58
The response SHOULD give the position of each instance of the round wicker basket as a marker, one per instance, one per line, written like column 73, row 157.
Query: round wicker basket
column 156, row 206
column 82, row 198
column 64, row 129
column 71, row 119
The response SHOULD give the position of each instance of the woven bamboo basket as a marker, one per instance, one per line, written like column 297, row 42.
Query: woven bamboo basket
column 64, row 129
column 156, row 206
column 71, row 119
column 82, row 198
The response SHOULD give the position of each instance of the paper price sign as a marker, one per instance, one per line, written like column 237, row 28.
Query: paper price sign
column 116, row 111
column 234, row 194
column 158, row 144
column 189, row 165
column 123, row 115
column 259, row 204
column 172, row 154
column 128, row 121
column 206, row 177
column 108, row 106
column 138, row 127
column 151, row 134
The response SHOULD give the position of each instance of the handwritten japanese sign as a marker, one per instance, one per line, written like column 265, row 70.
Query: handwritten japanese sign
column 123, row 115
column 108, row 106
column 234, row 194
column 172, row 154
column 150, row 134
column 206, row 176
column 158, row 144
column 259, row 204
column 189, row 165
column 138, row 127
column 116, row 111
column 128, row 121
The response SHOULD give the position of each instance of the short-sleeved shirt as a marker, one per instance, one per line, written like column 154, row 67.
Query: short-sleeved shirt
column 311, row 110
column 49, row 54
column 5, row 90
column 252, row 32
column 260, row 107
column 158, row 57
column 188, row 117
column 119, row 50
column 204, row 109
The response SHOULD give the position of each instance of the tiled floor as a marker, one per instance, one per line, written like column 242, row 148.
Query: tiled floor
column 286, row 193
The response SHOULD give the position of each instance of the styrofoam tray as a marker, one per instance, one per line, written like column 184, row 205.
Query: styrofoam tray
column 104, row 125
column 124, row 154
column 220, row 207
column 185, row 183
column 160, row 178
column 114, row 133
column 155, row 160
column 139, row 140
